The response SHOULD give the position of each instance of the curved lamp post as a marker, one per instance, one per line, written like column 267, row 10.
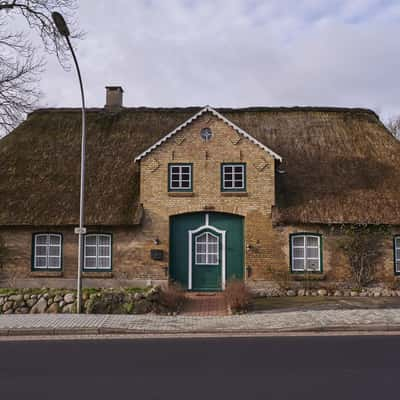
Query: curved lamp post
column 62, row 28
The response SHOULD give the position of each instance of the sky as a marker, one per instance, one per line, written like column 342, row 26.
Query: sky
column 235, row 53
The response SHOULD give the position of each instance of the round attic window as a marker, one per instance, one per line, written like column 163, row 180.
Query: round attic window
column 206, row 134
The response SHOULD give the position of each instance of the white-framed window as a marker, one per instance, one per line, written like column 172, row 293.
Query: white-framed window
column 97, row 254
column 207, row 249
column 180, row 177
column 396, row 248
column 47, row 250
column 306, row 253
column 233, row 177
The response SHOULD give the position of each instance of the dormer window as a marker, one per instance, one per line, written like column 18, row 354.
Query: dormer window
column 180, row 177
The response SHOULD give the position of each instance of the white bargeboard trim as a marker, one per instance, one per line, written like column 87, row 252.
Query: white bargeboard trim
column 221, row 117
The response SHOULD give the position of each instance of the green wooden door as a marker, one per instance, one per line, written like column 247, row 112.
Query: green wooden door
column 219, row 246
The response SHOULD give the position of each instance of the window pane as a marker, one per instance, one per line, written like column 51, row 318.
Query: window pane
column 228, row 177
column 91, row 240
column 227, row 169
column 186, row 170
column 228, row 184
column 298, row 252
column 312, row 253
column 185, row 184
column 238, row 176
column 104, row 262
column 298, row 241
column 312, row 241
column 213, row 248
column 397, row 241
column 104, row 251
column 174, row 184
column 201, row 248
column 312, row 265
column 41, row 239
column 398, row 254
column 41, row 250
column 201, row 259
column 298, row 265
column 212, row 259
column 54, row 262
column 398, row 266
column 54, row 251
column 55, row 239
column 90, row 251
column 104, row 240
column 175, row 170
column 40, row 262
column 90, row 262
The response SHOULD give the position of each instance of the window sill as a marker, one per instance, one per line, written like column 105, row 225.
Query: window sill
column 311, row 276
column 97, row 274
column 234, row 194
column 180, row 194
column 46, row 274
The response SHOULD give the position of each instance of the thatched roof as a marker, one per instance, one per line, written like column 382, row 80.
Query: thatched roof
column 341, row 165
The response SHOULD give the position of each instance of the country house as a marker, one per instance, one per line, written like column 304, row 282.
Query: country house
column 195, row 195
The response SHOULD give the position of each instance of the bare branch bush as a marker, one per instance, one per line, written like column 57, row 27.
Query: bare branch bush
column 394, row 126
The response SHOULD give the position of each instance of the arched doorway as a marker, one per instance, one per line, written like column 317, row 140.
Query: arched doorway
column 206, row 250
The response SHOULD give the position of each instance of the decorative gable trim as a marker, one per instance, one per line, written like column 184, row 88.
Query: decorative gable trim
column 219, row 116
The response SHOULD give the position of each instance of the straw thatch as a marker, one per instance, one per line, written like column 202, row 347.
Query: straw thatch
column 341, row 165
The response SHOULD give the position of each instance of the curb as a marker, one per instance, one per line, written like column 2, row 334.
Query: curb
column 126, row 331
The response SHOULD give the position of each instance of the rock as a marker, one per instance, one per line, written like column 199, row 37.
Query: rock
column 363, row 294
column 50, row 301
column 290, row 293
column 61, row 303
column 2, row 300
column 39, row 307
column 26, row 296
column 137, row 296
column 354, row 293
column 9, row 312
column 314, row 293
column 338, row 293
column 398, row 292
column 386, row 292
column 322, row 292
column 377, row 294
column 142, row 307
column 45, row 296
column 8, row 305
column 22, row 310
column 31, row 302
column 301, row 292
column 69, row 298
column 53, row 309
column 57, row 298
column 16, row 297
column 34, row 296
column 69, row 308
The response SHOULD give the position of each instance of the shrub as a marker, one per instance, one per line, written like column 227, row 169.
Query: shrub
column 238, row 297
column 363, row 247
column 3, row 251
column 171, row 298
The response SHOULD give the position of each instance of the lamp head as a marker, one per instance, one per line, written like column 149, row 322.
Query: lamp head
column 60, row 23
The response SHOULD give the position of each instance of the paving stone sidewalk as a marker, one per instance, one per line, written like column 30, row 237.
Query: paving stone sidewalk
column 388, row 319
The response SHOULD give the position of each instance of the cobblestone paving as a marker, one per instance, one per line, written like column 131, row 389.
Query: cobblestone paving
column 257, row 322
column 205, row 304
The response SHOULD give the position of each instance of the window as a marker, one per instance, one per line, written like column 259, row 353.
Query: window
column 97, row 252
column 306, row 254
column 233, row 177
column 396, row 248
column 180, row 177
column 47, row 249
column 207, row 249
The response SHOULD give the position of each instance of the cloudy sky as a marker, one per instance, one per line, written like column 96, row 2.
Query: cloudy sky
column 236, row 53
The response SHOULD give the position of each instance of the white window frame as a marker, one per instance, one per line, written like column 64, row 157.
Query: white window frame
column 180, row 180
column 47, row 256
column 396, row 249
column 206, row 253
column 305, row 247
column 97, row 267
column 234, row 187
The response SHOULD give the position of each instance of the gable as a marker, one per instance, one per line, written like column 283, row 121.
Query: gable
column 215, row 113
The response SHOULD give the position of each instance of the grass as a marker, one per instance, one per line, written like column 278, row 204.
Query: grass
column 323, row 303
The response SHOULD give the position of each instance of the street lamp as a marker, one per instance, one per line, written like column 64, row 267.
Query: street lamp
column 62, row 28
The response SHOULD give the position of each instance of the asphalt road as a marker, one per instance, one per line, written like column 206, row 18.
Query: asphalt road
column 218, row 368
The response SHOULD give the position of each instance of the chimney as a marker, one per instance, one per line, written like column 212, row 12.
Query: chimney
column 114, row 97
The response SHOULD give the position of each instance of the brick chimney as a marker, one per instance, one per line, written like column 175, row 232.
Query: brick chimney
column 114, row 97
